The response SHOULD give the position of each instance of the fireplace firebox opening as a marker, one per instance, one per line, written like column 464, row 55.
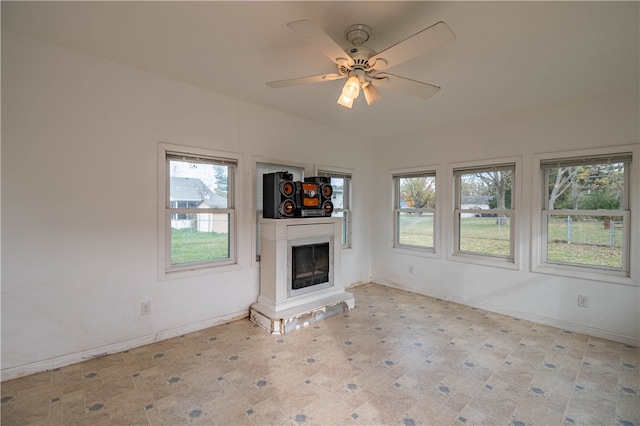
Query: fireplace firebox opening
column 310, row 265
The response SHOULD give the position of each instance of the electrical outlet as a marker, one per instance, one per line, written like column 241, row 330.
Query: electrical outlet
column 583, row 301
column 145, row 308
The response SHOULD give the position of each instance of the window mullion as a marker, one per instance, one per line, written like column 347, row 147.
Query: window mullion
column 626, row 255
column 568, row 212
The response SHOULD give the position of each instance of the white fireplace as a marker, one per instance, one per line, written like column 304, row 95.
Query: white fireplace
column 299, row 273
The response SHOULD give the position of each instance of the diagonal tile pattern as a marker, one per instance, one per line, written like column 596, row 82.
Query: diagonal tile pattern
column 397, row 359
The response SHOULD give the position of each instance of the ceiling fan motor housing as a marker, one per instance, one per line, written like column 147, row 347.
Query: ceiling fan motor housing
column 360, row 56
column 357, row 34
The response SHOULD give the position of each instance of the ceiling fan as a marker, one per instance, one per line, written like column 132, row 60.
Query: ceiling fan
column 363, row 67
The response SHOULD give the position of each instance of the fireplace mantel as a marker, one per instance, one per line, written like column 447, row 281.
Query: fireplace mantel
column 278, row 309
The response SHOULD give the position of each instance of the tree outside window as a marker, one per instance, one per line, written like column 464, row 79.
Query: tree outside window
column 484, row 212
column 585, row 212
column 415, row 210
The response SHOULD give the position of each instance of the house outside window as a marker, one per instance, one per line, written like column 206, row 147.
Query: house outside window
column 414, row 210
column 585, row 215
column 199, row 209
column 485, row 211
column 341, row 199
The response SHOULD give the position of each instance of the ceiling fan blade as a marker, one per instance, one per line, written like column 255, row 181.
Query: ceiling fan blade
column 418, row 44
column 304, row 80
column 406, row 85
column 316, row 37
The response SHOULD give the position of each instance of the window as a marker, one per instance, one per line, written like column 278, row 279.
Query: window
column 262, row 169
column 415, row 210
column 198, row 208
column 341, row 198
column 484, row 211
column 586, row 214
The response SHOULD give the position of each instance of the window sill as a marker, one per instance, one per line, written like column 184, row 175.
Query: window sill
column 491, row 261
column 572, row 272
column 415, row 251
column 206, row 270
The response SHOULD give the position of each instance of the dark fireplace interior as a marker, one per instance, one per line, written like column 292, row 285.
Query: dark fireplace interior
column 310, row 265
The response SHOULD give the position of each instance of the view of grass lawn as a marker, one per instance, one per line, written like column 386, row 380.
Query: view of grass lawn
column 485, row 235
column 189, row 245
column 416, row 230
column 586, row 242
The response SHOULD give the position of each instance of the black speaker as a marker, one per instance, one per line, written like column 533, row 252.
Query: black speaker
column 278, row 195
column 325, row 192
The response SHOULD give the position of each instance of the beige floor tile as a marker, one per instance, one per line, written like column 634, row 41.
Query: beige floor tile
column 398, row 358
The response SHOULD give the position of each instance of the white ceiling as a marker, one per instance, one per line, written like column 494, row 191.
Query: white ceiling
column 508, row 55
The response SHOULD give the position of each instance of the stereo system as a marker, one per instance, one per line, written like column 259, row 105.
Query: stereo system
column 284, row 198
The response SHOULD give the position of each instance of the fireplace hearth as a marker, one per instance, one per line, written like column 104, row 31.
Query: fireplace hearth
column 299, row 273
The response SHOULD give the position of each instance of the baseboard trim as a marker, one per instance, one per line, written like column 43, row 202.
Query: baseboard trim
column 64, row 360
column 564, row 325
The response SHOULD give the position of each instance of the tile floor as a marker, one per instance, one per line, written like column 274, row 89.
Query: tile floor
column 397, row 358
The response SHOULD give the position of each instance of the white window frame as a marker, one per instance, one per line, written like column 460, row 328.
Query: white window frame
column 257, row 192
column 394, row 178
column 166, row 270
column 346, row 210
column 628, row 274
column 513, row 260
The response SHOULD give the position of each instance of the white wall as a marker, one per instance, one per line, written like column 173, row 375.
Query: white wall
column 80, row 203
column 599, row 121
column 80, row 206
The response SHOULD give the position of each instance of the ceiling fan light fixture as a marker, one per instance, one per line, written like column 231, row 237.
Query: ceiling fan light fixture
column 345, row 101
column 351, row 88
column 350, row 92
column 371, row 94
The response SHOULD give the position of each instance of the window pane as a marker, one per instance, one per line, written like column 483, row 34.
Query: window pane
column 486, row 190
column 197, row 184
column 338, row 193
column 415, row 229
column 344, row 215
column 588, row 187
column 485, row 234
column 199, row 220
column 200, row 237
column 585, row 240
column 341, row 187
column 417, row 192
